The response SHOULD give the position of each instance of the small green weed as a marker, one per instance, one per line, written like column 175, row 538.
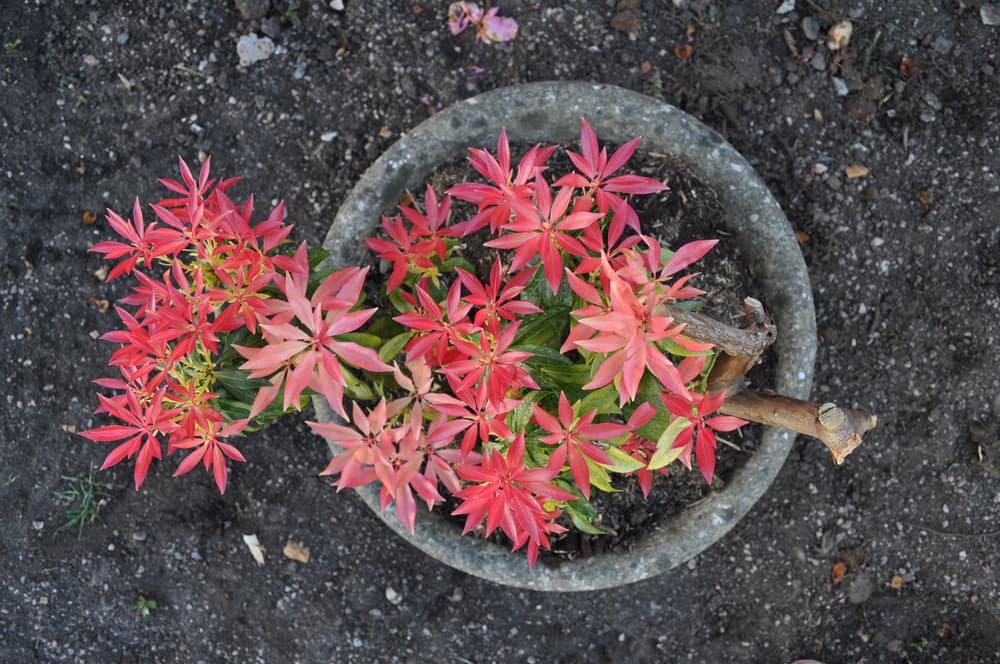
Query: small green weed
column 13, row 45
column 145, row 605
column 84, row 497
column 291, row 14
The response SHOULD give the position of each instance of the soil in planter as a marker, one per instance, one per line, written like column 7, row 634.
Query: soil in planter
column 689, row 210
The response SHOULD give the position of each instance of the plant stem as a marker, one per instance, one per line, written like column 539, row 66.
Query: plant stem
column 840, row 429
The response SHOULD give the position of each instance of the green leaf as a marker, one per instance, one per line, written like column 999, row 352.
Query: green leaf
column 599, row 478
column 361, row 338
column 666, row 453
column 569, row 379
column 354, row 387
column 674, row 348
column 398, row 301
column 518, row 419
column 458, row 261
column 603, row 400
column 624, row 463
column 543, row 355
column 383, row 326
column 583, row 518
column 239, row 384
column 541, row 328
column 316, row 256
column 393, row 346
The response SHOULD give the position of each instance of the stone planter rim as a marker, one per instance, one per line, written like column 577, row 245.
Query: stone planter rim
column 550, row 112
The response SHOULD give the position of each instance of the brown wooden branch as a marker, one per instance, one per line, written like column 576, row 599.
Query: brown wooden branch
column 729, row 368
column 750, row 341
column 840, row 429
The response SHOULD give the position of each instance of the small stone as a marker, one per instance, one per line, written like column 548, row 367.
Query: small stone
column 122, row 37
column 251, row 48
column 392, row 596
column 810, row 27
column 37, row 525
column 990, row 14
column 933, row 101
column 456, row 595
column 139, row 536
column 337, row 5
column 927, row 115
column 943, row 45
column 834, row 182
column 861, row 589
column 839, row 35
column 840, row 85
column 300, row 71
column 819, row 168
column 786, row 6
column 877, row 242
column 328, row 136
column 818, row 61
column 91, row 61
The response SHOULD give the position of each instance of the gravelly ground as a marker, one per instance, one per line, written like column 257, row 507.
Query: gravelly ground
column 100, row 98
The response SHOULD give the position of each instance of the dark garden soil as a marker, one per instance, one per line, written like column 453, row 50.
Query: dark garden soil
column 99, row 99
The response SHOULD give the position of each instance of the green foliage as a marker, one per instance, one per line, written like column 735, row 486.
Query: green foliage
column 84, row 497
column 145, row 605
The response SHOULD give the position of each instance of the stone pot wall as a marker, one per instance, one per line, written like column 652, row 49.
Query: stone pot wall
column 550, row 113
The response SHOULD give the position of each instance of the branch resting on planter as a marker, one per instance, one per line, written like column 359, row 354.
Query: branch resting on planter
column 841, row 430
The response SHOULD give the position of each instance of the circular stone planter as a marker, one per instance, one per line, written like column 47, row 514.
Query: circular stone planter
column 550, row 113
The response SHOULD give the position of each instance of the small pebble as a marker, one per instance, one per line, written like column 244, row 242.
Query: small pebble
column 943, row 45
column 37, row 525
column 877, row 242
column 840, row 85
column 786, row 6
column 91, row 61
column 337, row 5
column 139, row 536
column 251, row 48
column 810, row 27
column 392, row 596
column 927, row 115
column 861, row 589
column 328, row 136
column 990, row 14
column 300, row 71
column 933, row 101
column 122, row 37
column 818, row 61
